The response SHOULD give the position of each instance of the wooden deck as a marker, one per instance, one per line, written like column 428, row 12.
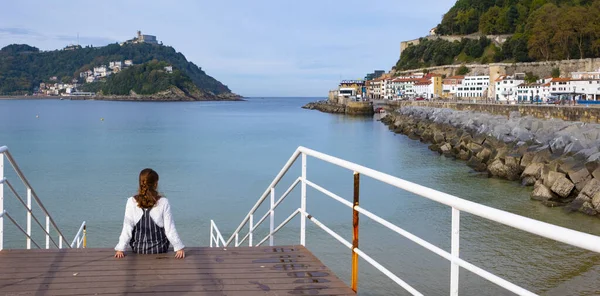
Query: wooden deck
column 282, row 270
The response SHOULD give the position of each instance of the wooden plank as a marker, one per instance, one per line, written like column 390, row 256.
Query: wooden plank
column 231, row 272
column 194, row 250
column 203, row 279
column 281, row 270
column 168, row 260
column 208, row 285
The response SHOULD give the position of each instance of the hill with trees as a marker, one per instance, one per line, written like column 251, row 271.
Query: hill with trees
column 541, row 30
column 146, row 80
column 23, row 67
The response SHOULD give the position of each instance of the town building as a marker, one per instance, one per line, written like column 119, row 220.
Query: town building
column 140, row 38
column 506, row 87
column 128, row 63
column 169, row 69
column 101, row 71
column 473, row 86
column 450, row 85
column 429, row 87
column 349, row 88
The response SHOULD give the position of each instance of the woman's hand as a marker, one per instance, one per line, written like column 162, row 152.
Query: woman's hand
column 119, row 254
column 180, row 254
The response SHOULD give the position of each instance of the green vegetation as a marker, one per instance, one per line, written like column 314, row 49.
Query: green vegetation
column 23, row 67
column 440, row 52
column 463, row 70
column 555, row 72
column 530, row 78
column 541, row 30
column 145, row 79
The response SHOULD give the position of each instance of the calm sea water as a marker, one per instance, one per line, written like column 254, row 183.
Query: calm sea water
column 216, row 158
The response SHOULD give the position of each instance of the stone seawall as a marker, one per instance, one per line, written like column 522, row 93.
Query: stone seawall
column 542, row 69
column 567, row 113
column 350, row 108
column 560, row 159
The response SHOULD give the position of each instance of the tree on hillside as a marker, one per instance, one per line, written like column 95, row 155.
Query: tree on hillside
column 463, row 70
column 543, row 26
column 555, row 72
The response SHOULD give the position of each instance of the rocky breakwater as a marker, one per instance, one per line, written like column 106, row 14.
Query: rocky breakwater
column 351, row 108
column 560, row 159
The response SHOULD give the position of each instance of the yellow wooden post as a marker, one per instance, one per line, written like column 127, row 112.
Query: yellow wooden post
column 354, row 280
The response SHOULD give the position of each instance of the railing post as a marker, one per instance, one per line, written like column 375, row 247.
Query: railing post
column 1, row 201
column 354, row 280
column 303, row 202
column 455, row 247
column 251, row 223
column 211, row 234
column 272, row 217
column 84, row 236
column 237, row 239
column 29, row 217
column 60, row 239
column 47, row 232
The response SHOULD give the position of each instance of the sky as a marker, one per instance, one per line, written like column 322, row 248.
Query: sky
column 257, row 48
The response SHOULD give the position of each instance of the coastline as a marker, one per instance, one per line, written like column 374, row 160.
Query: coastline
column 561, row 174
column 151, row 98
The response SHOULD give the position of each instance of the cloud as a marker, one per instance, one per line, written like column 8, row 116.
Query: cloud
column 18, row 31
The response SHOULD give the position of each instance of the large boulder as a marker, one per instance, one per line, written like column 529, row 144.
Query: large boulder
column 485, row 154
column 588, row 209
column 542, row 193
column 513, row 168
column 596, row 201
column 596, row 173
column 464, row 155
column 580, row 178
column 498, row 169
column 591, row 188
column 562, row 186
column 474, row 147
column 533, row 170
column 526, row 159
column 438, row 137
column 477, row 164
column 551, row 178
column 501, row 153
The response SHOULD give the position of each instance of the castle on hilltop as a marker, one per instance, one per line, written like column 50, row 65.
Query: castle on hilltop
column 141, row 39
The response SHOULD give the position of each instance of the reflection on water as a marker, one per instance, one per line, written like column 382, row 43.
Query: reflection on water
column 215, row 159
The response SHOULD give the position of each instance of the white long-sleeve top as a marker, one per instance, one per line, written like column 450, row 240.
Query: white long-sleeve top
column 160, row 214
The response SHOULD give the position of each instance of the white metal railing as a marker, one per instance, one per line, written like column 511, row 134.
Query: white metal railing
column 80, row 237
column 458, row 205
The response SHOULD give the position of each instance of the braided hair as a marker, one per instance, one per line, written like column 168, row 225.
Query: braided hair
column 147, row 195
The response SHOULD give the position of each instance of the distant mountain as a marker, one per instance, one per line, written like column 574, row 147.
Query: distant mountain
column 541, row 30
column 23, row 67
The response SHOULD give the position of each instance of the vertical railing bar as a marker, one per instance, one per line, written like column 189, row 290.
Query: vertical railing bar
column 47, row 232
column 84, row 236
column 251, row 223
column 354, row 279
column 29, row 218
column 272, row 218
column 1, row 201
column 236, row 239
column 455, row 248
column 211, row 233
column 303, row 202
column 60, row 240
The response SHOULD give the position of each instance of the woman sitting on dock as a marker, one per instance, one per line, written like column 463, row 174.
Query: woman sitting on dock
column 148, row 226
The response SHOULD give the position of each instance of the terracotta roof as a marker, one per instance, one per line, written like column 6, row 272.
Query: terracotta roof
column 561, row 79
